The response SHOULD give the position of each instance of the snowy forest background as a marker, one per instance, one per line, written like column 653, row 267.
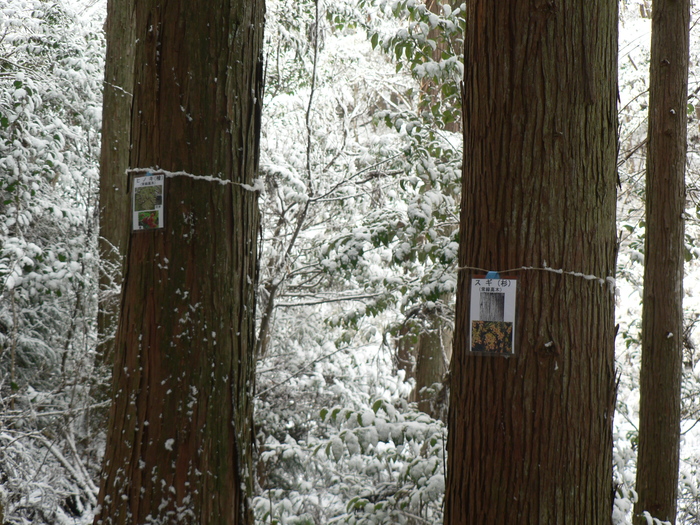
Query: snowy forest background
column 360, row 164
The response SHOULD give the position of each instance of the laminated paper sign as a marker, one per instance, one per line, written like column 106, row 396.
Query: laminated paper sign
column 147, row 202
column 492, row 315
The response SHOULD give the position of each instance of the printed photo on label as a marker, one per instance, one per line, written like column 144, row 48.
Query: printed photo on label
column 147, row 201
column 492, row 316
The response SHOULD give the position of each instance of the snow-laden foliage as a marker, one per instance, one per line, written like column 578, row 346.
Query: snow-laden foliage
column 427, row 42
column 383, row 464
column 361, row 162
column 357, row 459
column 50, row 96
column 360, row 220
column 362, row 185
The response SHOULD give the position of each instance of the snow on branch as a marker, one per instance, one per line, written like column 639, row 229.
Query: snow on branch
column 85, row 483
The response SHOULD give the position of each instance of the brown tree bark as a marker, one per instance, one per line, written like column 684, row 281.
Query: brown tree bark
column 114, row 161
column 114, row 202
column 530, row 437
column 432, row 362
column 423, row 352
column 179, row 440
column 662, row 310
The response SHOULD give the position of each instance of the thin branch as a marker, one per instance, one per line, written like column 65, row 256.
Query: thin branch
column 348, row 180
column 273, row 286
column 69, row 411
column 89, row 491
column 311, row 99
column 298, row 372
column 329, row 300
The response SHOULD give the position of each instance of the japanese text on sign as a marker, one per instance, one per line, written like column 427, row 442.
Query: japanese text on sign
column 492, row 316
column 147, row 202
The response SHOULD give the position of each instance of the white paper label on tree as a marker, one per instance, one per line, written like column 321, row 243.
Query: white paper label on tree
column 148, row 202
column 492, row 316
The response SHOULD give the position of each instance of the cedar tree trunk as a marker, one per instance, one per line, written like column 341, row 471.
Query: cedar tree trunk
column 179, row 442
column 114, row 202
column 432, row 361
column 662, row 311
column 116, row 131
column 530, row 436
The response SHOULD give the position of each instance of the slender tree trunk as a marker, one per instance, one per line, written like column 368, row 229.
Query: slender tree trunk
column 114, row 202
column 179, row 442
column 406, row 347
column 530, row 437
column 423, row 352
column 114, row 160
column 662, row 310
column 431, row 363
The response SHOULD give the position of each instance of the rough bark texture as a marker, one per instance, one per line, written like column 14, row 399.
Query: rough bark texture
column 179, row 442
column 423, row 351
column 530, row 437
column 662, row 311
column 114, row 161
column 406, row 346
column 432, row 361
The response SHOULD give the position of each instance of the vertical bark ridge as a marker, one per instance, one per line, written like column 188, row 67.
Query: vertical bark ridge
column 179, row 446
column 530, row 437
column 662, row 311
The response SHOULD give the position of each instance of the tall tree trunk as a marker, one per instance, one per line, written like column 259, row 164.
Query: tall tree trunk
column 423, row 352
column 432, row 361
column 179, row 441
column 114, row 201
column 662, row 310
column 114, row 161
column 530, row 437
